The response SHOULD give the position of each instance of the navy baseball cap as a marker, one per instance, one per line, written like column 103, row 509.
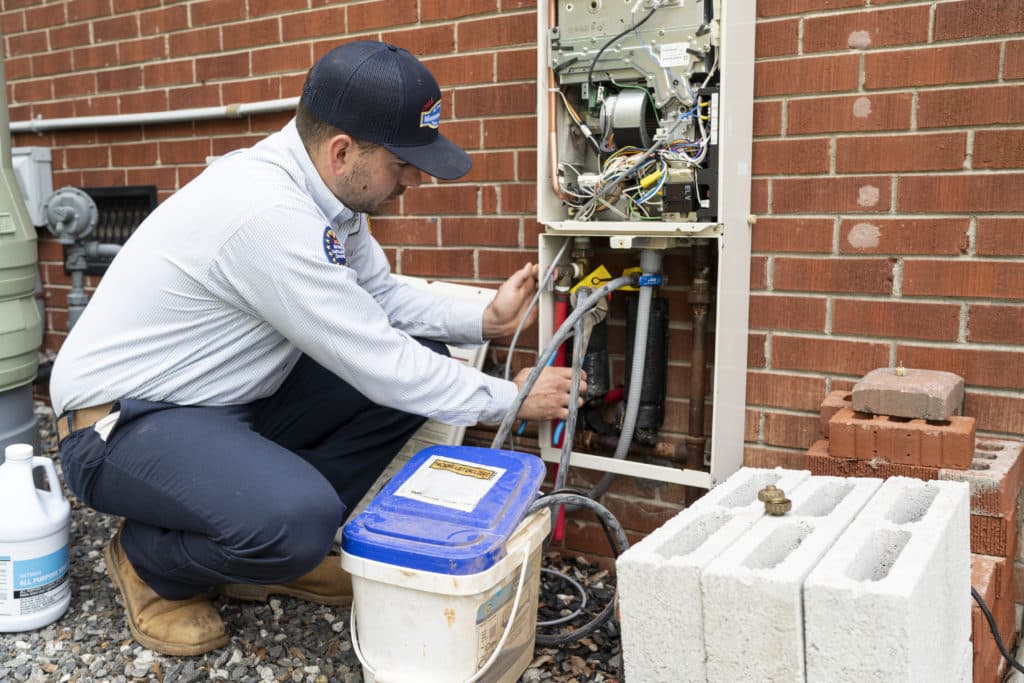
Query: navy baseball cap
column 381, row 93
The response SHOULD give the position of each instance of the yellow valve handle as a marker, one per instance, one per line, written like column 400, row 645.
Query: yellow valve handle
column 595, row 279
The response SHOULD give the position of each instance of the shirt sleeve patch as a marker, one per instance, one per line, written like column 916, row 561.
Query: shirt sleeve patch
column 333, row 247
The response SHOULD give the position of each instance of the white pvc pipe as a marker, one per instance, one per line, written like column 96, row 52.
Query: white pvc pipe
column 230, row 111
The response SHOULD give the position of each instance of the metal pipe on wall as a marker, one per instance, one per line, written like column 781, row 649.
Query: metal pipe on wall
column 700, row 301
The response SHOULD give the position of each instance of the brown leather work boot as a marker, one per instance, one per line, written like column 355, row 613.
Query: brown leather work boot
column 327, row 584
column 172, row 627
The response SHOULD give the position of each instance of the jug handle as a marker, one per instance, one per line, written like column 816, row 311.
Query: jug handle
column 54, row 493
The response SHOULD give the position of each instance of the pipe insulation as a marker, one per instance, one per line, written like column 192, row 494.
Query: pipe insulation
column 650, row 263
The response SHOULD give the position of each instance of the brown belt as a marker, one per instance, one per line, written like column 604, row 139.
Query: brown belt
column 83, row 418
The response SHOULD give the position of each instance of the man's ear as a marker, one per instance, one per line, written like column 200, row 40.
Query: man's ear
column 339, row 154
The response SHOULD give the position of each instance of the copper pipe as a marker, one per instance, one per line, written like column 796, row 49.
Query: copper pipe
column 592, row 442
column 552, row 110
column 700, row 299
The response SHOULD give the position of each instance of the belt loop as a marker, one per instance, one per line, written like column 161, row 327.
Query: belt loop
column 71, row 421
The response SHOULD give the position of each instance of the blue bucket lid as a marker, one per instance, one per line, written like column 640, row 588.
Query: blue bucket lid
column 449, row 510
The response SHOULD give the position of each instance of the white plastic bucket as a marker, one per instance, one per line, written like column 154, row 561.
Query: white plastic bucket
column 417, row 626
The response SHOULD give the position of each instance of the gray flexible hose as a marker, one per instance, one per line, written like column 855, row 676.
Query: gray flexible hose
column 579, row 350
column 650, row 262
column 556, row 340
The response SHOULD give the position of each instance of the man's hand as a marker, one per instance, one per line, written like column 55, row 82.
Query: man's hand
column 502, row 315
column 549, row 398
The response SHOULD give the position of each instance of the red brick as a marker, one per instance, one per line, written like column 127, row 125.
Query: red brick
column 520, row 198
column 143, row 154
column 961, row 193
column 233, row 65
column 979, row 367
column 52, row 63
column 775, row 312
column 27, row 43
column 770, row 458
column 824, row 354
column 767, row 118
column 756, row 350
column 87, row 9
column 1000, row 237
column 67, row 36
column 995, row 477
column 1013, row 64
column 977, row 279
column 42, row 89
column 480, row 230
column 974, row 106
column 860, row 113
column 116, row 28
column 865, row 29
column 48, row 15
column 449, row 10
column 903, row 236
column 405, row 231
column 198, row 42
column 806, row 75
column 995, row 536
column 462, row 69
column 301, row 25
column 381, row 14
column 496, row 100
column 983, row 580
column 194, row 96
column 820, row 462
column 759, row 196
column 758, row 272
column 776, row 157
column 116, row 80
column 216, row 11
column 262, row 7
column 444, row 263
column 252, row 90
column 517, row 65
column 903, row 441
column 784, row 391
column 788, row 430
column 511, row 132
column 168, row 73
column 143, row 101
column 833, row 275
column 441, row 199
column 751, row 425
column 775, row 8
column 940, row 322
column 806, row 235
column 995, row 324
column 499, row 265
column 777, row 38
column 858, row 194
column 252, row 33
column 995, row 412
column 966, row 19
column 835, row 401
column 937, row 152
column 998, row 149
column 144, row 50
column 424, row 40
column 640, row 515
column 483, row 34
column 163, row 21
column 932, row 66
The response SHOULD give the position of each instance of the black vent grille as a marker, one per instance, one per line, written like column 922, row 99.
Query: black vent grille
column 119, row 210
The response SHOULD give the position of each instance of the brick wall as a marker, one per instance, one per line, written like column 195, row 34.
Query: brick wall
column 888, row 157
column 888, row 162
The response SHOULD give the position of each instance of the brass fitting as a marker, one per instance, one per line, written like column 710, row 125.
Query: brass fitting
column 775, row 501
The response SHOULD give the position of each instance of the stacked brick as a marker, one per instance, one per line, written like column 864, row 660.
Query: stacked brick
column 902, row 423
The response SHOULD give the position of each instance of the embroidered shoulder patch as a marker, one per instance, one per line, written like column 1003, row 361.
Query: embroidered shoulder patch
column 333, row 247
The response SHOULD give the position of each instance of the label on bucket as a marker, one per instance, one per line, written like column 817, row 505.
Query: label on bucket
column 493, row 614
column 450, row 482
column 31, row 585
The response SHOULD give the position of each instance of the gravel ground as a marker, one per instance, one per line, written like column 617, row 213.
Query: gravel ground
column 282, row 640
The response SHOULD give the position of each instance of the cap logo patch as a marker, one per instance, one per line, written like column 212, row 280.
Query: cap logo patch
column 333, row 247
column 430, row 117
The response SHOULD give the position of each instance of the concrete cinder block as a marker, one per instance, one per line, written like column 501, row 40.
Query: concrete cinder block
column 891, row 600
column 660, row 600
column 995, row 476
column 927, row 394
column 753, row 611
column 902, row 441
column 833, row 403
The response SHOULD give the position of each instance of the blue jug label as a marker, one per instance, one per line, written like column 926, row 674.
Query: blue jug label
column 31, row 585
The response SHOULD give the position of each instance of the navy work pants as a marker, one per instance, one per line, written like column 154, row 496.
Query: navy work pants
column 236, row 494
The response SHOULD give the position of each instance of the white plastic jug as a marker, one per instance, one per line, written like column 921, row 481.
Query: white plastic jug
column 34, row 525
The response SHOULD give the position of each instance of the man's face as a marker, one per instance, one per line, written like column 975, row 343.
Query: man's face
column 376, row 177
